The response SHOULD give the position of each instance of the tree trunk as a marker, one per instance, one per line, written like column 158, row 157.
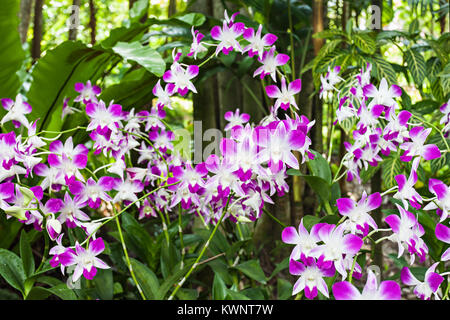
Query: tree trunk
column 92, row 21
column 443, row 18
column 73, row 31
column 172, row 8
column 37, row 31
column 24, row 17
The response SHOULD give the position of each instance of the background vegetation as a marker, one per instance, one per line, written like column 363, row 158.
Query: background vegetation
column 125, row 45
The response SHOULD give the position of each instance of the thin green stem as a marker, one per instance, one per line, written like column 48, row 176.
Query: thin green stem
column 258, row 103
column 274, row 218
column 202, row 252
column 166, row 233
column 209, row 58
column 46, row 248
column 353, row 268
column 127, row 258
column 180, row 231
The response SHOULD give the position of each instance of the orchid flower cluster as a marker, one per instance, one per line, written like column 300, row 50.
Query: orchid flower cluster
column 328, row 250
column 70, row 194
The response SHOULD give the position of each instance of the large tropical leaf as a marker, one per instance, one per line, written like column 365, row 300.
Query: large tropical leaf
column 382, row 69
column 365, row 42
column 54, row 78
column 145, row 56
column 391, row 167
column 416, row 65
column 11, row 52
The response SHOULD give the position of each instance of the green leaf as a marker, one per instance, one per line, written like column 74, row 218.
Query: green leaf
column 146, row 278
column 391, row 167
column 174, row 278
column 61, row 291
column 434, row 66
column 11, row 269
column 318, row 184
column 309, row 221
column 423, row 107
column 413, row 26
column 104, row 285
column 382, row 69
column 147, row 57
column 416, row 65
column 319, row 166
column 11, row 52
column 236, row 295
column 169, row 258
column 139, row 10
column 219, row 289
column 193, row 19
column 348, row 124
column 280, row 266
column 329, row 34
column 54, row 77
column 284, row 289
column 445, row 79
column 365, row 42
column 26, row 254
column 132, row 91
column 253, row 270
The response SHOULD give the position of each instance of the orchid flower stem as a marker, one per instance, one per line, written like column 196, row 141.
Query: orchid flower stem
column 127, row 258
column 328, row 208
column 330, row 148
column 203, row 220
column 389, row 191
column 258, row 103
column 241, row 236
column 381, row 239
column 46, row 247
column 59, row 133
column 338, row 171
column 375, row 231
column 342, row 220
column 353, row 268
column 180, row 231
column 435, row 128
column 196, row 263
column 166, row 233
column 274, row 218
column 209, row 58
column 446, row 291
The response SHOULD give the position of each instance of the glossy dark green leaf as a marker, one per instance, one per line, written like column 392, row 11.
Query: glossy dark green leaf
column 145, row 56
column 11, row 52
column 11, row 269
column 253, row 270
column 146, row 278
column 26, row 254
column 219, row 289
